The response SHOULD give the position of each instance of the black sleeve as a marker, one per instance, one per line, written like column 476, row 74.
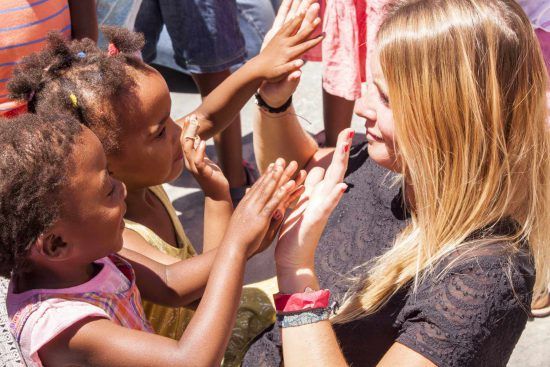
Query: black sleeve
column 471, row 316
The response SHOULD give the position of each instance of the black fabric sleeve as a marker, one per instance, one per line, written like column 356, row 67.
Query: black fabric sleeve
column 473, row 315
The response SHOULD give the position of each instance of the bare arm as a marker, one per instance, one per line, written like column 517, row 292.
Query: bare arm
column 83, row 19
column 281, row 134
column 217, row 214
column 175, row 285
column 278, row 59
column 204, row 341
column 202, row 344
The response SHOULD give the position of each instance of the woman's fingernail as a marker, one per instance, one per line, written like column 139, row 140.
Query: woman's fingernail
column 346, row 148
column 351, row 134
column 277, row 214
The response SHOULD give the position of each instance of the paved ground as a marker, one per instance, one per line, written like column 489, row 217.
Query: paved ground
column 533, row 349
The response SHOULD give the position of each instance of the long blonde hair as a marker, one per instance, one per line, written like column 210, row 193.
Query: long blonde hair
column 467, row 84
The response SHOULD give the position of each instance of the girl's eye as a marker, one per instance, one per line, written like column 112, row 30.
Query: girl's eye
column 112, row 191
column 162, row 133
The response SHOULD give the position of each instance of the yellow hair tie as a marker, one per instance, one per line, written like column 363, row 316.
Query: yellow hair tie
column 74, row 100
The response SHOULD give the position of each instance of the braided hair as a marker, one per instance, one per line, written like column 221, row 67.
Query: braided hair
column 78, row 78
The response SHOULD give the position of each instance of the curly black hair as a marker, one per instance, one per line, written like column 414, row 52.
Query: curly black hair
column 33, row 169
column 78, row 78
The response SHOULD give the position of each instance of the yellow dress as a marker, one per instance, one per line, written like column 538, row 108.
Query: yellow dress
column 255, row 313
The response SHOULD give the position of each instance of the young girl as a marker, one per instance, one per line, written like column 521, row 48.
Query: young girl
column 72, row 300
column 453, row 259
column 127, row 104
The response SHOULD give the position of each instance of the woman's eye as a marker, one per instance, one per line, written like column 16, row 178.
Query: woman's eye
column 385, row 100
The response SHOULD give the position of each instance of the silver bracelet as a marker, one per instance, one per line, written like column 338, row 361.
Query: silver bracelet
column 305, row 317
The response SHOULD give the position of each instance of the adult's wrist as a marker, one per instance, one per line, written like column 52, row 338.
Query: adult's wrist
column 276, row 102
column 296, row 279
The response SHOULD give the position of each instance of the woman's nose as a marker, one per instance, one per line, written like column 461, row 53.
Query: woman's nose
column 364, row 110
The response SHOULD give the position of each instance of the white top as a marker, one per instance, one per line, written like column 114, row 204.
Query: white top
column 538, row 11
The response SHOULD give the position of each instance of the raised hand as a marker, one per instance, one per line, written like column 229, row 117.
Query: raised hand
column 279, row 215
column 207, row 174
column 289, row 39
column 277, row 92
column 254, row 214
column 303, row 228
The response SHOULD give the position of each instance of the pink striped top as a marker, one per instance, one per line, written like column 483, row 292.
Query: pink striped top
column 39, row 315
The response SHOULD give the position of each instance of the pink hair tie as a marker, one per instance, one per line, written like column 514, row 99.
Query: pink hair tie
column 112, row 50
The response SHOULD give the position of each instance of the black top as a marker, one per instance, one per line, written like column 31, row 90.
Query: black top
column 469, row 317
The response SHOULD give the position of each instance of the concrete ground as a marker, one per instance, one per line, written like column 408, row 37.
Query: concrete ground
column 533, row 349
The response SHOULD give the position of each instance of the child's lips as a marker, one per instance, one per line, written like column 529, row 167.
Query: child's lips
column 179, row 156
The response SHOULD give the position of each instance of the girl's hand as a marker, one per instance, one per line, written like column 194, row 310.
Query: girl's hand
column 281, row 53
column 208, row 175
column 254, row 214
column 277, row 92
column 279, row 215
column 302, row 230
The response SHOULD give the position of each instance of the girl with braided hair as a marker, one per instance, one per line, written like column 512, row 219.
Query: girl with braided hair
column 75, row 294
column 127, row 105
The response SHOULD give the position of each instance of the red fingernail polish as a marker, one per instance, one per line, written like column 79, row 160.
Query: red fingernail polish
column 351, row 134
column 346, row 148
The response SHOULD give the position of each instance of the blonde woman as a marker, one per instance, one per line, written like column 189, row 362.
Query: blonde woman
column 457, row 110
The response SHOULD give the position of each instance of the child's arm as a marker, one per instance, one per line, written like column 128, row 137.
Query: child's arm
column 83, row 19
column 218, row 205
column 279, row 58
column 175, row 282
column 100, row 342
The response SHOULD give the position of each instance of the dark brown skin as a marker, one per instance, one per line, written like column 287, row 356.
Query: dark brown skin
column 90, row 228
column 151, row 152
column 83, row 19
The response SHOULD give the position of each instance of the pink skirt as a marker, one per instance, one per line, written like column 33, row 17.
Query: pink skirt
column 350, row 27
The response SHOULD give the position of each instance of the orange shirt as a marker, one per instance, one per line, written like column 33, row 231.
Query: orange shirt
column 24, row 25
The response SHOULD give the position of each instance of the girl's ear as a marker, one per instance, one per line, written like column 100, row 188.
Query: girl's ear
column 52, row 247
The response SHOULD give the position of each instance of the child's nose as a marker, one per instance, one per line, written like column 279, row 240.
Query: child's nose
column 124, row 191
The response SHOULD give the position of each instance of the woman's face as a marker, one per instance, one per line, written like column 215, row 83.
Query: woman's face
column 374, row 107
column 150, row 150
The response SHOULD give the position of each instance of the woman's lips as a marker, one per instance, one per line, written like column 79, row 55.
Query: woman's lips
column 373, row 137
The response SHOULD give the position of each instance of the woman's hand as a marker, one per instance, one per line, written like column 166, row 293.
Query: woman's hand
column 251, row 219
column 208, row 175
column 288, row 41
column 299, row 237
column 277, row 92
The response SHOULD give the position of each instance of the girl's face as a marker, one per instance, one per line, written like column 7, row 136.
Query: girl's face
column 150, row 151
column 375, row 108
column 92, row 214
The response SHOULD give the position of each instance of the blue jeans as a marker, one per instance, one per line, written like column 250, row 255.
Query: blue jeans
column 255, row 19
column 205, row 34
column 120, row 13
